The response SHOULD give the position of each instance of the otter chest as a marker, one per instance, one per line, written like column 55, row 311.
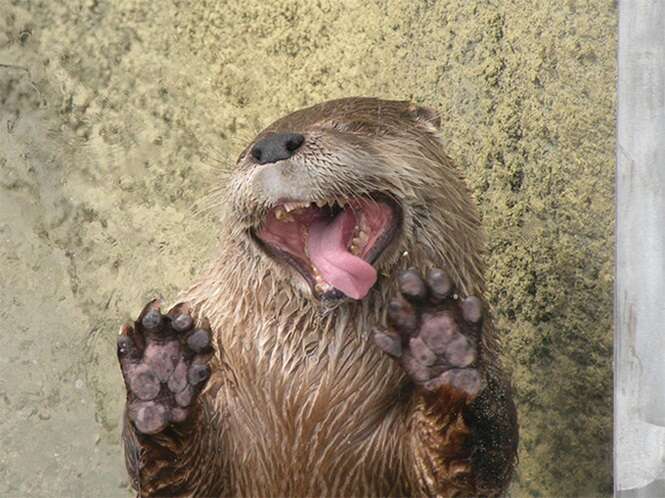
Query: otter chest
column 312, row 419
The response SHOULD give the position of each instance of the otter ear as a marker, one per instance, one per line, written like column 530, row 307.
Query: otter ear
column 428, row 116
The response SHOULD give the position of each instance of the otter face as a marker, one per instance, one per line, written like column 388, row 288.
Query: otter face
column 319, row 193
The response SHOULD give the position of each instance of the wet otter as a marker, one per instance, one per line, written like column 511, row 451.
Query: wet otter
column 331, row 215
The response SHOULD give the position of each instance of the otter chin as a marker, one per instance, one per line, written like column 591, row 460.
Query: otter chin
column 333, row 243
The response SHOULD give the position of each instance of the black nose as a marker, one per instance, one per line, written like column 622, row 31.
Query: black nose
column 276, row 147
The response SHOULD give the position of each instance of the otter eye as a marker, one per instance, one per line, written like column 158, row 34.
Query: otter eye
column 427, row 115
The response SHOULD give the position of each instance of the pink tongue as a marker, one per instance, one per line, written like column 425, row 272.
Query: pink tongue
column 341, row 269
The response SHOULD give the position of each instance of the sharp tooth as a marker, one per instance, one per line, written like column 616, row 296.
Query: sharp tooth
column 279, row 213
column 321, row 204
column 363, row 237
column 291, row 206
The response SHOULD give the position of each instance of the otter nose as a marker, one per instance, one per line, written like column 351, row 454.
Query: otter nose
column 276, row 147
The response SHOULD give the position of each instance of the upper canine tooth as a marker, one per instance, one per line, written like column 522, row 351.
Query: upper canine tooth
column 279, row 213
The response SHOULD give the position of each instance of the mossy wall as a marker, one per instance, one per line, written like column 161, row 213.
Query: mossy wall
column 117, row 116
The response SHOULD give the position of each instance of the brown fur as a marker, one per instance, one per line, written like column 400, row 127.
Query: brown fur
column 302, row 403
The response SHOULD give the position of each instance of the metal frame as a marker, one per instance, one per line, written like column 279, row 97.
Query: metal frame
column 639, row 341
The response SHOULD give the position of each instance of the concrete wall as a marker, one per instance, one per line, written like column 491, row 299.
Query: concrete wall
column 114, row 133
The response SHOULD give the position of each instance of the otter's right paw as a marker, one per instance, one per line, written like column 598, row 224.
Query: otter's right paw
column 164, row 361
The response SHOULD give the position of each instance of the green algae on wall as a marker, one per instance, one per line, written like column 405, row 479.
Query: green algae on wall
column 142, row 104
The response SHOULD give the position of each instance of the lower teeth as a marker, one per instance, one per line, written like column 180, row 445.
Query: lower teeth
column 359, row 241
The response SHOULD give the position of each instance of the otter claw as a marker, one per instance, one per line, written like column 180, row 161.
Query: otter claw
column 182, row 323
column 198, row 373
column 152, row 319
column 125, row 346
column 199, row 341
column 441, row 287
column 412, row 286
column 472, row 309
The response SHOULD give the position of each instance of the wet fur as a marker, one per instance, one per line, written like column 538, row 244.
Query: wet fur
column 303, row 402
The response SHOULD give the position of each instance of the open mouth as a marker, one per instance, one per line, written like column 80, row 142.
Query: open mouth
column 333, row 244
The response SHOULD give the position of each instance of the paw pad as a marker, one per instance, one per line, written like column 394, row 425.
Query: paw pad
column 164, row 364
column 433, row 334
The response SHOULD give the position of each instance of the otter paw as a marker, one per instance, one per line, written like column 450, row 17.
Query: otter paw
column 433, row 334
column 164, row 362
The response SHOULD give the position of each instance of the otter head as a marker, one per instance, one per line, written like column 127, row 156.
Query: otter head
column 333, row 195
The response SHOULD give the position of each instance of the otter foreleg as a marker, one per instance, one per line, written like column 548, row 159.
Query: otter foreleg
column 168, row 427
column 463, row 424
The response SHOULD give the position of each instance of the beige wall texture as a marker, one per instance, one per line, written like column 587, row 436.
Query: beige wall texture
column 116, row 118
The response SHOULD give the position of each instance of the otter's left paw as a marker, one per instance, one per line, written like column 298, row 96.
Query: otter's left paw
column 434, row 335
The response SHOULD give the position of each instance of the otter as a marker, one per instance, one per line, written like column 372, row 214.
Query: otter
column 340, row 343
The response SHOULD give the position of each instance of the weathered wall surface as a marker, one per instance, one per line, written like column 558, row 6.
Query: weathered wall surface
column 116, row 124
